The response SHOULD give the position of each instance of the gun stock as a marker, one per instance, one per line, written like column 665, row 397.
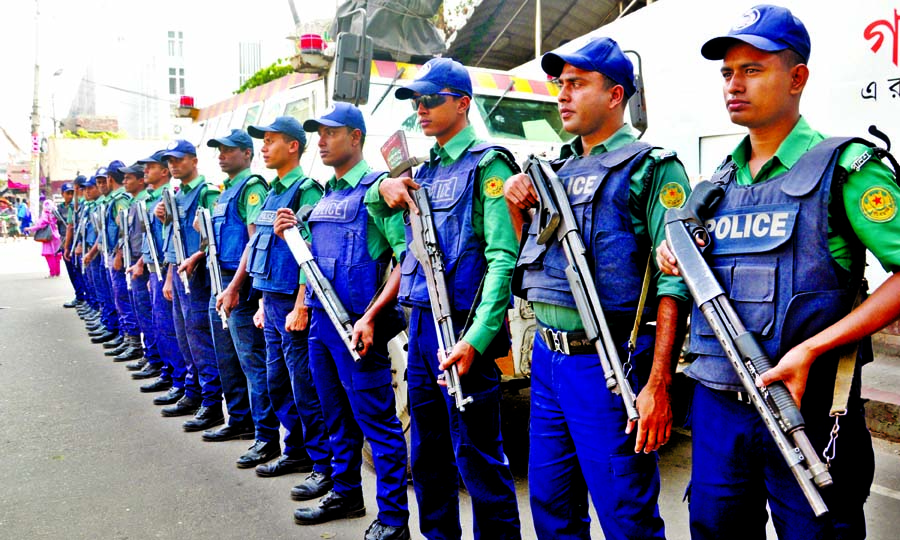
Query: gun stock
column 208, row 236
column 172, row 210
column 148, row 236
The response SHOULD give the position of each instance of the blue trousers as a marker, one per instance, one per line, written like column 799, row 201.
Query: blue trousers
column 250, row 345
column 191, row 376
column 143, row 310
column 738, row 469
column 358, row 400
column 291, row 387
column 87, row 283
column 578, row 446
column 164, row 331
column 448, row 444
column 128, row 323
column 195, row 312
column 231, row 376
column 74, row 277
column 108, row 314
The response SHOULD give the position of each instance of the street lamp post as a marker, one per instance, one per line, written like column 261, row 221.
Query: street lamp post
column 35, row 181
column 56, row 74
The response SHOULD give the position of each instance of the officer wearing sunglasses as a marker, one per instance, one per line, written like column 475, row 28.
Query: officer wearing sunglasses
column 464, row 178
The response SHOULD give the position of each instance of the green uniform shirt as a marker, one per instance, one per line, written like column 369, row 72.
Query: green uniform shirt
column 870, row 194
column 207, row 199
column 307, row 197
column 121, row 203
column 490, row 222
column 251, row 201
column 382, row 233
column 640, row 204
column 142, row 196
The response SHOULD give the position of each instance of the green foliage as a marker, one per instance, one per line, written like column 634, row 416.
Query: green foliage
column 104, row 136
column 269, row 73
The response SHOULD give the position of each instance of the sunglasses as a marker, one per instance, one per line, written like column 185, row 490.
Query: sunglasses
column 430, row 101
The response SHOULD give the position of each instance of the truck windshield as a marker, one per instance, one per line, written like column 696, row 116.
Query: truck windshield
column 522, row 119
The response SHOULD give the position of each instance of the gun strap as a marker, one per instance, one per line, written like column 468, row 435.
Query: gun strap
column 846, row 367
column 471, row 316
column 645, row 287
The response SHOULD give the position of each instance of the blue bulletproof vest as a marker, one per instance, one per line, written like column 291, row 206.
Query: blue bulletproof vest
column 90, row 233
column 187, row 204
column 339, row 227
column 156, row 233
column 231, row 232
column 451, row 190
column 770, row 253
column 598, row 188
column 112, row 222
column 135, row 234
column 269, row 260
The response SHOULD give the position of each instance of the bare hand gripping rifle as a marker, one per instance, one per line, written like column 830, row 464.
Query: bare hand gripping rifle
column 427, row 251
column 323, row 288
column 554, row 215
column 126, row 245
column 144, row 218
column 172, row 209
column 208, row 240
column 773, row 402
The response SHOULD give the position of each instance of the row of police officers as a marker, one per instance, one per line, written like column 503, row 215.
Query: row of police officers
column 265, row 345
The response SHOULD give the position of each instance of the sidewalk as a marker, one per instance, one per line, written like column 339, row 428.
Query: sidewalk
column 881, row 386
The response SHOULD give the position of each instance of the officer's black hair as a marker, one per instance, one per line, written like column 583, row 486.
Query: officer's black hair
column 791, row 58
column 289, row 139
column 471, row 98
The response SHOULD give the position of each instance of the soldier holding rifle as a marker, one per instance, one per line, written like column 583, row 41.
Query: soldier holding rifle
column 813, row 205
column 464, row 178
column 582, row 441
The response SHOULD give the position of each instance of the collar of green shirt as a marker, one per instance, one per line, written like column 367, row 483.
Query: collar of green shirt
column 351, row 179
column 798, row 141
column 620, row 138
column 455, row 147
column 117, row 191
column 237, row 178
column 281, row 184
column 142, row 195
column 190, row 186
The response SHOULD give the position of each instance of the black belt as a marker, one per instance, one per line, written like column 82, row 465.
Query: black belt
column 560, row 341
column 733, row 395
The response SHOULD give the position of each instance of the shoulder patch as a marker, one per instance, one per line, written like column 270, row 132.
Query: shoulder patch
column 878, row 205
column 659, row 154
column 671, row 195
column 493, row 187
column 253, row 199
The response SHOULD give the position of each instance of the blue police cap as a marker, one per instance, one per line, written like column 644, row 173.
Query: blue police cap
column 434, row 76
column 602, row 55
column 338, row 115
column 92, row 181
column 67, row 186
column 766, row 27
column 101, row 173
column 283, row 124
column 157, row 157
column 238, row 138
column 114, row 172
column 79, row 180
column 137, row 169
column 179, row 149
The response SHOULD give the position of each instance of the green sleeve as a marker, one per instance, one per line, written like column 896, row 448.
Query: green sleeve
column 252, row 201
column 209, row 197
column 491, row 219
column 122, row 203
column 394, row 231
column 375, row 202
column 871, row 196
column 668, row 188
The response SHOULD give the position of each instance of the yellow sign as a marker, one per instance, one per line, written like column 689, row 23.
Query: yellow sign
column 672, row 195
column 493, row 187
column 878, row 205
column 253, row 199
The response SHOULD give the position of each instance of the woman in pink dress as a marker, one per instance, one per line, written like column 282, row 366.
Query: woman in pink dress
column 50, row 250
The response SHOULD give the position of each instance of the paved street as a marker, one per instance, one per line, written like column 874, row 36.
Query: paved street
column 84, row 455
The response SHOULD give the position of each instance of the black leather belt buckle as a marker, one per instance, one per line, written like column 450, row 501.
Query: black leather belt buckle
column 743, row 397
column 567, row 343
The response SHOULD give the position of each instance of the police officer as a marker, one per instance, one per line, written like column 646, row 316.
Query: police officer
column 109, row 331
column 181, row 157
column 354, row 250
column 87, row 309
column 70, row 206
column 793, row 286
column 118, row 199
column 269, row 262
column 619, row 190
column 93, row 315
column 465, row 178
column 173, row 371
column 240, row 349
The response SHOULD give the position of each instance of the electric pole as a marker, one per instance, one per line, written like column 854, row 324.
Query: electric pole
column 35, row 181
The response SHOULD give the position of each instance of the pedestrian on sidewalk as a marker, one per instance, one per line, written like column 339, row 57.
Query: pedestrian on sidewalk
column 50, row 249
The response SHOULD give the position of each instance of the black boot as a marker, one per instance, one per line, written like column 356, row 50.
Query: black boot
column 133, row 351
column 71, row 303
column 159, row 385
column 330, row 507
column 148, row 373
column 117, row 350
column 382, row 531
column 206, row 418
column 104, row 337
column 137, row 366
column 114, row 343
